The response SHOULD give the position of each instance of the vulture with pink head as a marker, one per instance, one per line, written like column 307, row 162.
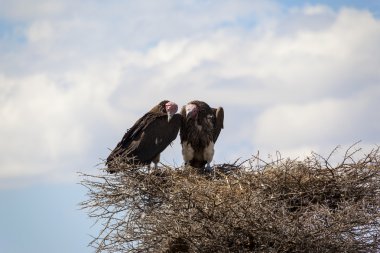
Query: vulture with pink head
column 147, row 138
column 201, row 126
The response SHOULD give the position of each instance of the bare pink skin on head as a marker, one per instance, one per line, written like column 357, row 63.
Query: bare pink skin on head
column 171, row 109
column 191, row 111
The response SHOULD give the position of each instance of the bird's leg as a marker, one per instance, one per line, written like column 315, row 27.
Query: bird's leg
column 155, row 161
column 187, row 152
column 208, row 154
column 151, row 167
column 148, row 168
column 208, row 167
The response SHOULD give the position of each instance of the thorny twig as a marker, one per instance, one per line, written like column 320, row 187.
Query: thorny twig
column 278, row 206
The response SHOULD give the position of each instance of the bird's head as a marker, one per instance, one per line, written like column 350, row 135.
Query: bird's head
column 171, row 108
column 191, row 111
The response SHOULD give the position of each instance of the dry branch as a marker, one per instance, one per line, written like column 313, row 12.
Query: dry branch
column 282, row 206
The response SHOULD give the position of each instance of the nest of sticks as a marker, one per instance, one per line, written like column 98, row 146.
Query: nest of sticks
column 251, row 206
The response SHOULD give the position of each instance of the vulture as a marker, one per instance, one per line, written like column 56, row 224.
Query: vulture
column 201, row 126
column 148, row 137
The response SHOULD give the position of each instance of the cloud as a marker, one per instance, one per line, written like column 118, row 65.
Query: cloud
column 47, row 121
column 331, row 122
column 26, row 10
column 37, row 127
column 294, row 80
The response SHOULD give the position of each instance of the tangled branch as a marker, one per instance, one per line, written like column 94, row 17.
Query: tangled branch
column 252, row 206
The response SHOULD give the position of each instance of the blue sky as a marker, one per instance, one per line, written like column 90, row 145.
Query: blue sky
column 292, row 76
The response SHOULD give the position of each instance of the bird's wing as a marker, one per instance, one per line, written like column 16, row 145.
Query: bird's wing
column 130, row 140
column 157, row 136
column 219, row 118
column 182, row 134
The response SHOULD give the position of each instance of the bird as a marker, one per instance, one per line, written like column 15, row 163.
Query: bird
column 201, row 126
column 143, row 143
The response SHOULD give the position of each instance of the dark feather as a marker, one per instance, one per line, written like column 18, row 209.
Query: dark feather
column 211, row 122
column 147, row 138
column 218, row 124
column 156, row 137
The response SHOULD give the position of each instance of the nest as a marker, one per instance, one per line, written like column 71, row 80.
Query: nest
column 253, row 206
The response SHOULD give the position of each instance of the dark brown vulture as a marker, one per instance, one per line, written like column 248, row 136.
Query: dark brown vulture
column 200, row 129
column 148, row 137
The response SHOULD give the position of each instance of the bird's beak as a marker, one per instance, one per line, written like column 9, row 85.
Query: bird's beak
column 190, row 111
column 170, row 116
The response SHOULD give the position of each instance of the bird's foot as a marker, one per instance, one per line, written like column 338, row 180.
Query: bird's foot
column 208, row 168
column 152, row 168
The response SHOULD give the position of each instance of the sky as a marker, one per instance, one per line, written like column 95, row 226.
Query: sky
column 293, row 77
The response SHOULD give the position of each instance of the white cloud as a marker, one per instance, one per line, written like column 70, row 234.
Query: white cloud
column 323, row 124
column 272, row 68
column 26, row 10
column 316, row 10
column 46, row 123
column 39, row 31
column 292, row 81
column 36, row 126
